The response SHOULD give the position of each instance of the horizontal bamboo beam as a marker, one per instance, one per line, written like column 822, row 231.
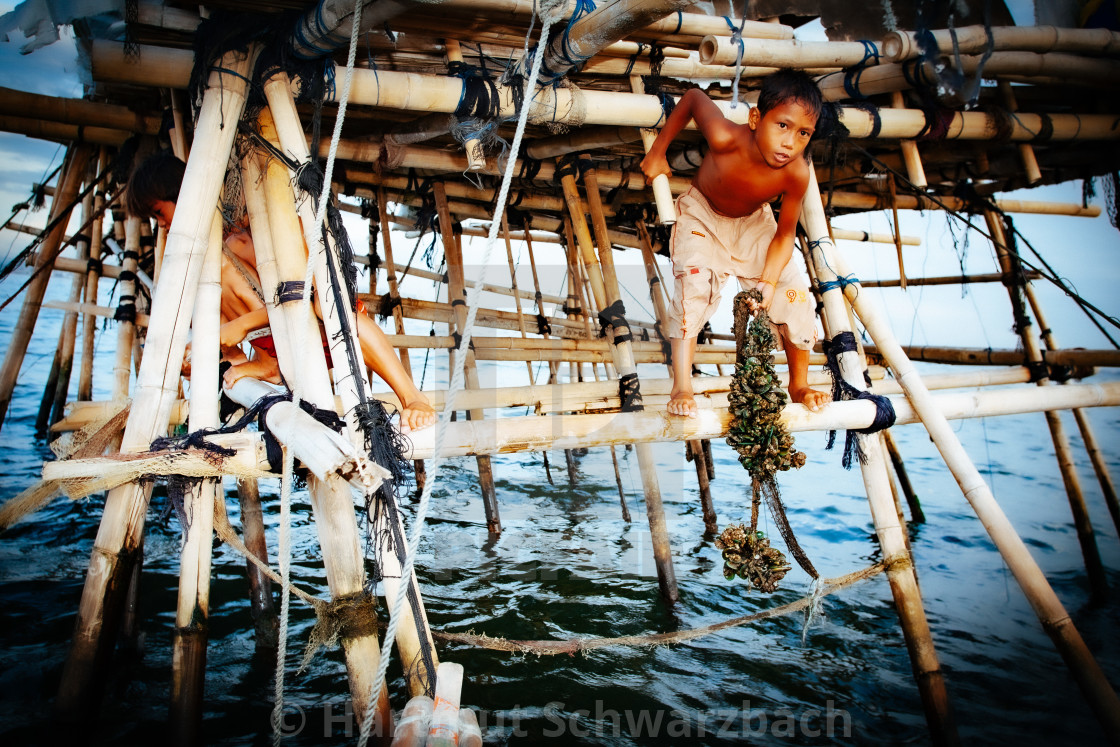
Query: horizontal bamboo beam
column 62, row 133
column 874, row 238
column 718, row 49
column 511, row 435
column 93, row 310
column 991, row 277
column 75, row 112
column 993, row 357
column 903, row 45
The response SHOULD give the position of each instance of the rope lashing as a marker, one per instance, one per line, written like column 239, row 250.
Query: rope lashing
column 630, row 393
column 544, row 327
column 737, row 39
column 289, row 290
column 95, row 265
column 845, row 342
column 565, row 52
column 350, row 616
column 386, row 305
column 853, row 73
column 841, row 282
column 876, row 118
column 479, row 97
column 615, row 316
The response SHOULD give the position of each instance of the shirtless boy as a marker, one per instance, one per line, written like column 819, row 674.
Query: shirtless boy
column 725, row 225
column 152, row 193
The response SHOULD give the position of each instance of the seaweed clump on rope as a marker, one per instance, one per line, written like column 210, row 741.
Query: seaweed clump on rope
column 765, row 447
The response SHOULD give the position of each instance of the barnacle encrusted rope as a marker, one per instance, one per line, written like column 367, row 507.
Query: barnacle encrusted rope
column 764, row 445
column 548, row 12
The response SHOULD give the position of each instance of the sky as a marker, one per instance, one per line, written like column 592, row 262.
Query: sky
column 1083, row 251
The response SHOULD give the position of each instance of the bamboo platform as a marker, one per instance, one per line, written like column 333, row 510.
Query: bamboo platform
column 422, row 136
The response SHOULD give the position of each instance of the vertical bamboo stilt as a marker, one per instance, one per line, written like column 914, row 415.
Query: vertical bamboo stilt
column 188, row 658
column 398, row 313
column 1051, row 613
column 1012, row 278
column 623, row 355
column 93, row 275
column 575, row 370
column 157, row 387
column 67, row 191
column 916, row 514
column 46, row 403
column 68, row 335
column 456, row 292
column 539, row 300
column 516, row 295
column 892, row 537
column 1087, row 434
column 910, row 156
column 261, row 605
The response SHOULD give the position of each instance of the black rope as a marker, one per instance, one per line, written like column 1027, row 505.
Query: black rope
column 288, row 291
column 615, row 316
column 630, row 393
column 544, row 327
column 845, row 342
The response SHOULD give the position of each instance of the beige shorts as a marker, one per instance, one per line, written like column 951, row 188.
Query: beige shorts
column 707, row 248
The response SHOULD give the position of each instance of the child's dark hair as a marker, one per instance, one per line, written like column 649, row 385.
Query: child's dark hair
column 785, row 86
column 159, row 177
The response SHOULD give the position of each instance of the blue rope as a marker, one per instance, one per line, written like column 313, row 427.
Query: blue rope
column 841, row 282
column 852, row 74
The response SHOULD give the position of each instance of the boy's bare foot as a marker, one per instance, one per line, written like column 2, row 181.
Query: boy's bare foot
column 682, row 403
column 811, row 398
column 416, row 415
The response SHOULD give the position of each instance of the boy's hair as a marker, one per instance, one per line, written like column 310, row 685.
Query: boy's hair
column 785, row 86
column 159, row 177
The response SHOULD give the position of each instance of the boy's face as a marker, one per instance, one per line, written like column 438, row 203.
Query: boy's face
column 163, row 211
column 783, row 133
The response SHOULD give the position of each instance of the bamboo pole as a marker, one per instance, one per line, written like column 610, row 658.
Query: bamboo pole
column 75, row 112
column 903, row 45
column 123, row 518
column 602, row 26
column 623, row 356
column 993, row 277
column 126, row 328
column 1062, row 451
column 69, row 184
column 910, row 156
column 1026, row 150
column 718, row 49
column 93, row 272
column 1053, row 616
column 516, row 295
column 993, row 357
column 892, row 536
column 456, row 292
column 43, row 419
column 916, row 514
column 188, row 658
column 1087, row 434
column 261, row 604
column 575, row 309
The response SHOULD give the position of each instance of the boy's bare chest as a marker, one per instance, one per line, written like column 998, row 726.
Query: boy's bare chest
column 736, row 190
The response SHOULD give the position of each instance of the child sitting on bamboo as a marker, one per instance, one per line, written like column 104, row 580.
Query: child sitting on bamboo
column 152, row 193
column 725, row 225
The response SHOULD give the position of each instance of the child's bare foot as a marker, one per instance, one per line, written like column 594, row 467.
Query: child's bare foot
column 416, row 415
column 682, row 403
column 811, row 398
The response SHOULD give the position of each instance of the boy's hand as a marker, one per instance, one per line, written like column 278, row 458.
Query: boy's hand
column 654, row 165
column 231, row 334
column 767, row 289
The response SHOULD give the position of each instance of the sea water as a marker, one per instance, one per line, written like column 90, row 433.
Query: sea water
column 567, row 566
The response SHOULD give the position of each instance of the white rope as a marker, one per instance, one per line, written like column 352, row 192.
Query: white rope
column 284, row 553
column 302, row 314
column 455, row 386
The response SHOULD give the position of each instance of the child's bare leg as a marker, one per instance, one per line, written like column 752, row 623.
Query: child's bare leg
column 681, row 399
column 799, row 390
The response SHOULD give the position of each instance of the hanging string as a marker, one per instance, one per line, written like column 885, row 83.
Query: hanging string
column 549, row 11
column 284, row 554
column 737, row 38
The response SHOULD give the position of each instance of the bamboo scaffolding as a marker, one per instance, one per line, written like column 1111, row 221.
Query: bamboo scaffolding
column 1077, row 359
column 623, row 358
column 1087, row 434
column 1053, row 616
column 123, row 518
column 69, row 184
column 84, row 114
column 1062, row 451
